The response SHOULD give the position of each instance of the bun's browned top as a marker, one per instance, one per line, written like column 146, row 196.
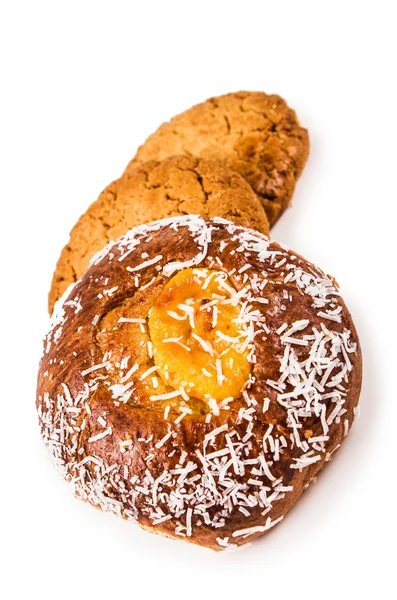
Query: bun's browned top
column 217, row 460
column 254, row 133
column 176, row 186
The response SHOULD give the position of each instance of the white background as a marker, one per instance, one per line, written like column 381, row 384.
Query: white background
column 82, row 84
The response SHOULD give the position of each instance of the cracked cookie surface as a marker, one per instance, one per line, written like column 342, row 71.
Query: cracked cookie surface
column 175, row 186
column 254, row 133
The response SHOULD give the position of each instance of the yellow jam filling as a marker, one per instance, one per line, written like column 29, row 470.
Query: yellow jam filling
column 198, row 343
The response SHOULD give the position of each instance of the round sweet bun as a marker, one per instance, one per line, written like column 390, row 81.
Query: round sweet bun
column 178, row 185
column 254, row 133
column 196, row 379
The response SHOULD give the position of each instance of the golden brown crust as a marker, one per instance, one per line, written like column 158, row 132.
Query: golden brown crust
column 254, row 133
column 124, row 452
column 155, row 190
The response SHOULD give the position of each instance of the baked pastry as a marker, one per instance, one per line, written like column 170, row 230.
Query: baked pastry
column 154, row 190
column 254, row 133
column 196, row 379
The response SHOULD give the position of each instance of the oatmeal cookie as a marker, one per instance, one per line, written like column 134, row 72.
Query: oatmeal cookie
column 254, row 133
column 154, row 190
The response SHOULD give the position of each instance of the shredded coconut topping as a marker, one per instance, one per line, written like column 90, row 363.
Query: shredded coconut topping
column 241, row 465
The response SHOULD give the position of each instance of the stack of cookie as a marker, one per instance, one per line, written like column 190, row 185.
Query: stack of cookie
column 237, row 156
column 197, row 376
